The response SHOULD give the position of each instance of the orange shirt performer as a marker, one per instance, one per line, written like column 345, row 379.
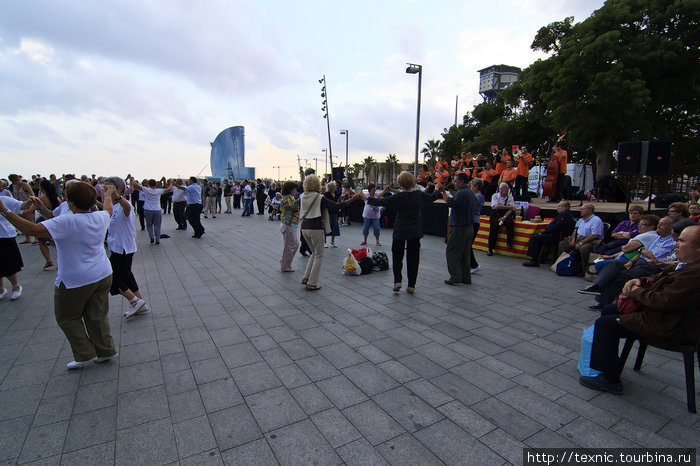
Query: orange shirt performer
column 441, row 174
column 509, row 174
column 524, row 159
column 562, row 157
column 501, row 161
column 440, row 164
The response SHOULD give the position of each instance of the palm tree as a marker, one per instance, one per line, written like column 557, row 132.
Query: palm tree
column 381, row 170
column 367, row 167
column 390, row 163
column 430, row 151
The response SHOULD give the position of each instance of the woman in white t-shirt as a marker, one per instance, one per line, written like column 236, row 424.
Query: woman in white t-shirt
column 121, row 242
column 11, row 262
column 151, row 206
column 84, row 276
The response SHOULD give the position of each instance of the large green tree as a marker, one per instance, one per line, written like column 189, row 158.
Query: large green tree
column 629, row 71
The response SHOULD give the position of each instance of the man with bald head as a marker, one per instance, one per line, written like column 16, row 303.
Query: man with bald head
column 659, row 318
column 615, row 274
column 588, row 233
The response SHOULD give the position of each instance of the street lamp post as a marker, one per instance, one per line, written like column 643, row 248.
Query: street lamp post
column 325, row 151
column 413, row 69
column 347, row 135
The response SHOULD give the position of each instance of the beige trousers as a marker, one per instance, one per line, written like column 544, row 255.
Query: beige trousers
column 313, row 269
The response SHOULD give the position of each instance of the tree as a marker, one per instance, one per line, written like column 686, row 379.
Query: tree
column 629, row 71
column 367, row 166
column 390, row 166
column 430, row 151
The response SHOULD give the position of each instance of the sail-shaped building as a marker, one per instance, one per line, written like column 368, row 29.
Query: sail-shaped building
column 228, row 155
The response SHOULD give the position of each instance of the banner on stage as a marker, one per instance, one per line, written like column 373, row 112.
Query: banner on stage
column 574, row 170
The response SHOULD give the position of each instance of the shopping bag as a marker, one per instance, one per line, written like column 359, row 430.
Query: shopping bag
column 564, row 256
column 361, row 253
column 350, row 265
column 584, row 360
column 591, row 272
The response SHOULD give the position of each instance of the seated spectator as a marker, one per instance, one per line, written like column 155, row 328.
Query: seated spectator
column 678, row 211
column 502, row 213
column 613, row 276
column 647, row 234
column 509, row 174
column 623, row 232
column 561, row 227
column 588, row 233
column 662, row 309
column 694, row 209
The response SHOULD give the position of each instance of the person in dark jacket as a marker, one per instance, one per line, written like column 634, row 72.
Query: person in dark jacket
column 561, row 227
column 408, row 227
column 659, row 318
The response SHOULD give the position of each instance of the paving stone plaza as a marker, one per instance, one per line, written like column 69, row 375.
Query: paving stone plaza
column 238, row 364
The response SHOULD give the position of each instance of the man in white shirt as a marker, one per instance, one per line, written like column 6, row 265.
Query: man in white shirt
column 588, row 233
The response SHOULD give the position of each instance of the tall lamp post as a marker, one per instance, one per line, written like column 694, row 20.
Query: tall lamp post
column 413, row 69
column 325, row 151
column 347, row 135
column 324, row 96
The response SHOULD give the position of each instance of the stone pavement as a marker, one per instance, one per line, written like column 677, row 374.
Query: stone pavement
column 239, row 364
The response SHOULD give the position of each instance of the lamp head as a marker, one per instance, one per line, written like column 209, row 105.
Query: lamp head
column 412, row 68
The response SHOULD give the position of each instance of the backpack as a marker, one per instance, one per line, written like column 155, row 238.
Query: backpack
column 380, row 261
column 366, row 265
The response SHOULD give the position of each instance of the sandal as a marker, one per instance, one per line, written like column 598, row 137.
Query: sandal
column 48, row 264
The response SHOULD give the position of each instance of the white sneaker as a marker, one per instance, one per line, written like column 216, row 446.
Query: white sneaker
column 98, row 360
column 476, row 270
column 16, row 294
column 325, row 245
column 136, row 308
column 75, row 365
column 3, row 294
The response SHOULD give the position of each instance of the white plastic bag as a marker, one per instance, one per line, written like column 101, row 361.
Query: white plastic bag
column 350, row 265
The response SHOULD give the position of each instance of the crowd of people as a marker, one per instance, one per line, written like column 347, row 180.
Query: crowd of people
column 80, row 216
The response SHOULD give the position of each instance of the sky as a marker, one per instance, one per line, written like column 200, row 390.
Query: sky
column 142, row 86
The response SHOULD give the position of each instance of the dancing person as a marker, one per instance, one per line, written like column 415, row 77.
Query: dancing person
column 84, row 276
column 219, row 192
column 289, row 220
column 371, row 215
column 333, row 195
column 50, row 199
column 21, row 191
column 140, row 203
column 260, row 196
column 408, row 227
column 237, row 195
column 11, row 263
column 209, row 193
column 151, row 205
column 502, row 213
column 228, row 192
column 459, row 242
column 179, row 206
column 247, row 198
column 121, row 241
column 314, row 209
column 476, row 186
column 193, row 195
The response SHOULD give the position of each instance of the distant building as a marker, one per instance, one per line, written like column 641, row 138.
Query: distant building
column 495, row 78
column 228, row 155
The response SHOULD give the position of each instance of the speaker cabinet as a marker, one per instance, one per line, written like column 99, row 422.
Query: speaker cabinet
column 656, row 156
column 629, row 156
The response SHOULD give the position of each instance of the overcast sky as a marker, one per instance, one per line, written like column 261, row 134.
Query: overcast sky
column 111, row 87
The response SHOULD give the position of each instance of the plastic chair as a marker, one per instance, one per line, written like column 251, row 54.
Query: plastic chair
column 674, row 344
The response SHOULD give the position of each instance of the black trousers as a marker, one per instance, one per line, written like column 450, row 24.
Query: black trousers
column 193, row 212
column 303, row 245
column 139, row 210
column 179, row 214
column 494, row 228
column 605, row 353
column 520, row 187
column 412, row 248
column 560, row 186
column 122, row 278
column 475, row 264
column 236, row 201
column 538, row 241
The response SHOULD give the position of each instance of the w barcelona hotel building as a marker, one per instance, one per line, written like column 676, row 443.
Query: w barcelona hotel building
column 228, row 155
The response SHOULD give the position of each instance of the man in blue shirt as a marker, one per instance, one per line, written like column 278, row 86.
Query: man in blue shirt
column 588, row 233
column 194, row 205
column 615, row 274
column 459, row 243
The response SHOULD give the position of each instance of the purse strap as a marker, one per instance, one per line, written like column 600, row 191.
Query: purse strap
column 313, row 203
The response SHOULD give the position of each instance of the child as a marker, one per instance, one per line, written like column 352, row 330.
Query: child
column 275, row 206
column 371, row 215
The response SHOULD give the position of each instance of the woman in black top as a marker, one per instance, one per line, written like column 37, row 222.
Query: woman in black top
column 334, row 195
column 408, row 227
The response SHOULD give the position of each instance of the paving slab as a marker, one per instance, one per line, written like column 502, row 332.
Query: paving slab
column 241, row 368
